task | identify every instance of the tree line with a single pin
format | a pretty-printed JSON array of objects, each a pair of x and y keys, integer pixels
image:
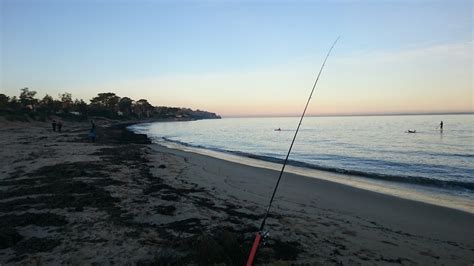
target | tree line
[{"x": 108, "y": 105}]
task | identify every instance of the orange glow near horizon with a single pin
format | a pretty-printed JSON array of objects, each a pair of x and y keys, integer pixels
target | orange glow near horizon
[
  {"x": 427, "y": 80},
  {"x": 240, "y": 58}
]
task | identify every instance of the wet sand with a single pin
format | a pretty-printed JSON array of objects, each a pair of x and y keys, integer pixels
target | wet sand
[{"x": 64, "y": 200}]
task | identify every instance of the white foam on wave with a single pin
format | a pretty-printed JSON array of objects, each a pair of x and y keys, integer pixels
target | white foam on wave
[{"x": 436, "y": 196}]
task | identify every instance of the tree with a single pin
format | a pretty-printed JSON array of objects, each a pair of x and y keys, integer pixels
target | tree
[
  {"x": 107, "y": 100},
  {"x": 66, "y": 101},
  {"x": 49, "y": 105},
  {"x": 47, "y": 101},
  {"x": 4, "y": 100},
  {"x": 14, "y": 103},
  {"x": 143, "y": 108},
  {"x": 80, "y": 106},
  {"x": 125, "y": 105},
  {"x": 27, "y": 97}
]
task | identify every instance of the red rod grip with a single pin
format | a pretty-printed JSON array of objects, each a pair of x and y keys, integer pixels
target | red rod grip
[{"x": 253, "y": 251}]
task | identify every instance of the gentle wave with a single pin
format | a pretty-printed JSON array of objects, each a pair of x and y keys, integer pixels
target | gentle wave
[
  {"x": 447, "y": 184},
  {"x": 460, "y": 155}
]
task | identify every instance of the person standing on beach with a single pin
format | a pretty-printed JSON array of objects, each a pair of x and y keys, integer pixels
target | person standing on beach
[
  {"x": 60, "y": 125},
  {"x": 54, "y": 125},
  {"x": 92, "y": 132},
  {"x": 441, "y": 125}
]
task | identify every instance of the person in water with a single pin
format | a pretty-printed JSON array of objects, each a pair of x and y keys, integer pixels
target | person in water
[
  {"x": 60, "y": 125},
  {"x": 54, "y": 125},
  {"x": 441, "y": 125}
]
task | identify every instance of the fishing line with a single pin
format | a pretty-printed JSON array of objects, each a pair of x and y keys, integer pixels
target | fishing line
[{"x": 261, "y": 233}]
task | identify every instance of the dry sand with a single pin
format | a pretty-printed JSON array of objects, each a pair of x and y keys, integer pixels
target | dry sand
[{"x": 64, "y": 200}]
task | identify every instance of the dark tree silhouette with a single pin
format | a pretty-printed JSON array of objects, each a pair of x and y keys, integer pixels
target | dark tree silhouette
[
  {"x": 48, "y": 105},
  {"x": 66, "y": 101},
  {"x": 81, "y": 107},
  {"x": 4, "y": 100},
  {"x": 27, "y": 98},
  {"x": 27, "y": 107},
  {"x": 108, "y": 100},
  {"x": 125, "y": 105},
  {"x": 143, "y": 108}
]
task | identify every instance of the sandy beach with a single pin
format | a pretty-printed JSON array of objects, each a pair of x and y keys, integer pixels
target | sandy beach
[{"x": 123, "y": 200}]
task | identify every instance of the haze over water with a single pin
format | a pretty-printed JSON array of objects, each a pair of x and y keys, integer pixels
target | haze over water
[{"x": 371, "y": 146}]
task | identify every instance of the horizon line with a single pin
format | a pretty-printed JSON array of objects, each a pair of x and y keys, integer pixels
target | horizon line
[{"x": 358, "y": 114}]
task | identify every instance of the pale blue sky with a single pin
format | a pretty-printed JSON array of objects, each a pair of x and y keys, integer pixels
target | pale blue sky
[{"x": 244, "y": 57}]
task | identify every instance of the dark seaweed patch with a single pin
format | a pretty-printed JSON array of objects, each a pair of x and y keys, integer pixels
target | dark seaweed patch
[
  {"x": 35, "y": 244},
  {"x": 123, "y": 154},
  {"x": 166, "y": 210},
  {"x": 77, "y": 195},
  {"x": 286, "y": 250},
  {"x": 191, "y": 226},
  {"x": 157, "y": 188},
  {"x": 9, "y": 237},
  {"x": 119, "y": 134},
  {"x": 170, "y": 197},
  {"x": 39, "y": 219},
  {"x": 70, "y": 170}
]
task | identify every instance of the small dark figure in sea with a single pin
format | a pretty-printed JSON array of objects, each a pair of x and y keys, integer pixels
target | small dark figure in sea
[
  {"x": 441, "y": 125},
  {"x": 54, "y": 125},
  {"x": 60, "y": 125},
  {"x": 92, "y": 131}
]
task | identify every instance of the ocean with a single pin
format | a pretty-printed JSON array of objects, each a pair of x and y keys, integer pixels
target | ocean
[{"x": 370, "y": 147}]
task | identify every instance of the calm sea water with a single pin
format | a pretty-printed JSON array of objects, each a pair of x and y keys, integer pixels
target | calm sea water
[{"x": 377, "y": 147}]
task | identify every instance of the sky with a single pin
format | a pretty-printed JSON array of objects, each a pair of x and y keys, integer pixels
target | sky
[{"x": 245, "y": 58}]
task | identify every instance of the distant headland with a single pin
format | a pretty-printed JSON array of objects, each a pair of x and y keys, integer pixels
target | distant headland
[{"x": 108, "y": 105}]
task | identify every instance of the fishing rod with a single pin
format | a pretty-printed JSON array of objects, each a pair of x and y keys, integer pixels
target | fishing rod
[{"x": 261, "y": 234}]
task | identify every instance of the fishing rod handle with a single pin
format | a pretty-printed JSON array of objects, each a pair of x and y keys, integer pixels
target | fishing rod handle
[{"x": 253, "y": 251}]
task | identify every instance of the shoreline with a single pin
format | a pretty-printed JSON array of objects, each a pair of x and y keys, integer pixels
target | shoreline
[
  {"x": 65, "y": 200},
  {"x": 312, "y": 198},
  {"x": 435, "y": 195},
  {"x": 294, "y": 174}
]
